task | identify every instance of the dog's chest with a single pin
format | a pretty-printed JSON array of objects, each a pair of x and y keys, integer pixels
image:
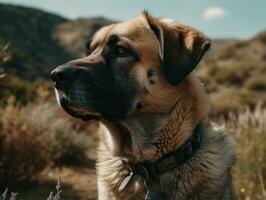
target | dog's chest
[{"x": 203, "y": 177}]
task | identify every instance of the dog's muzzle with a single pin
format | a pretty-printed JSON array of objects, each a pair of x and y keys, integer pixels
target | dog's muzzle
[
  {"x": 89, "y": 88},
  {"x": 70, "y": 93}
]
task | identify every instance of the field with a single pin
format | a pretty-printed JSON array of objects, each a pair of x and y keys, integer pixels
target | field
[{"x": 43, "y": 150}]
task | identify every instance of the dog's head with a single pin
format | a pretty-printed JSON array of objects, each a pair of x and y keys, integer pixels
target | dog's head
[{"x": 131, "y": 67}]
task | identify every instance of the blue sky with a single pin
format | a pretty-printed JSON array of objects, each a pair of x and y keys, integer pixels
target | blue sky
[{"x": 216, "y": 18}]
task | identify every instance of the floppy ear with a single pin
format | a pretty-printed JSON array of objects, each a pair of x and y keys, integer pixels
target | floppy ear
[{"x": 181, "y": 48}]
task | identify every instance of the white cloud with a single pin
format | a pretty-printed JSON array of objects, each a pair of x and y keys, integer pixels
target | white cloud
[{"x": 212, "y": 13}]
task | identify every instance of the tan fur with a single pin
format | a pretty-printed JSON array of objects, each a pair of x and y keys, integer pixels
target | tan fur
[{"x": 169, "y": 115}]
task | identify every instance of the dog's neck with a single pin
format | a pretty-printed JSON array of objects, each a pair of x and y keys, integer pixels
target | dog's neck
[
  {"x": 146, "y": 137},
  {"x": 160, "y": 134}
]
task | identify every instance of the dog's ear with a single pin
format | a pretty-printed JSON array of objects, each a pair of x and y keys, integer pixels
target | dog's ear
[{"x": 181, "y": 47}]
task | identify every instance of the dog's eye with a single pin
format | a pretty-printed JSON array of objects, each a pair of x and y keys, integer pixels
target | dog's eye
[
  {"x": 117, "y": 52},
  {"x": 121, "y": 51}
]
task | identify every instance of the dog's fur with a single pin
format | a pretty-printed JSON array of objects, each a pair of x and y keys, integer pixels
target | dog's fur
[{"x": 163, "y": 102}]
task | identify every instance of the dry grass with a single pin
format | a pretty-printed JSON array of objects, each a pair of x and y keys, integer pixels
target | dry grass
[
  {"x": 26, "y": 148},
  {"x": 257, "y": 83},
  {"x": 33, "y": 137},
  {"x": 248, "y": 131},
  {"x": 7, "y": 196},
  {"x": 227, "y": 100},
  {"x": 57, "y": 195},
  {"x": 233, "y": 80},
  {"x": 13, "y": 196}
]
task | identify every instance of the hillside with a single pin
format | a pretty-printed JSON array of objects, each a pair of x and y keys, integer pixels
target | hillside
[
  {"x": 29, "y": 32},
  {"x": 235, "y": 73},
  {"x": 40, "y": 40},
  {"x": 73, "y": 35}
]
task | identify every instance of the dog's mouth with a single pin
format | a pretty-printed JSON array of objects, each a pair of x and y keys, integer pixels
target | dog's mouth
[
  {"x": 79, "y": 103},
  {"x": 74, "y": 109}
]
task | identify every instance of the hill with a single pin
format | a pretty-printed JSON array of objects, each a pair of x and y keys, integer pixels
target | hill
[
  {"x": 235, "y": 72},
  {"x": 29, "y": 32},
  {"x": 73, "y": 35},
  {"x": 39, "y": 40}
]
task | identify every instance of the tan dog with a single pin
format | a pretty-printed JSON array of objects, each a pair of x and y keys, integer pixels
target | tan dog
[{"x": 155, "y": 142}]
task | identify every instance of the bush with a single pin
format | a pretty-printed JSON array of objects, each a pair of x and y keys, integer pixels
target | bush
[
  {"x": 230, "y": 73},
  {"x": 70, "y": 148},
  {"x": 227, "y": 100},
  {"x": 262, "y": 37},
  {"x": 256, "y": 83},
  {"x": 25, "y": 147},
  {"x": 34, "y": 137},
  {"x": 248, "y": 130},
  {"x": 22, "y": 90}
]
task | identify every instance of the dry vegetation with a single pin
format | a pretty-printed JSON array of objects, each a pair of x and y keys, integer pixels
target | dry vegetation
[
  {"x": 234, "y": 73},
  {"x": 248, "y": 132},
  {"x": 36, "y": 136}
]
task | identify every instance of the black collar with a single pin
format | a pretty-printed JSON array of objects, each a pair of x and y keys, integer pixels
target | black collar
[{"x": 171, "y": 160}]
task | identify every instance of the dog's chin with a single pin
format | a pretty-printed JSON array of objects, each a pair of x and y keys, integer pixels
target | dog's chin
[
  {"x": 78, "y": 110},
  {"x": 74, "y": 109}
]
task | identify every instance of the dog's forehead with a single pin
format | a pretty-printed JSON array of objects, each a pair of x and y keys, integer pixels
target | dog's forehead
[
  {"x": 101, "y": 35},
  {"x": 132, "y": 29}
]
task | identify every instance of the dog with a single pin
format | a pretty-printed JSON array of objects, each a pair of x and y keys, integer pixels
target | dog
[{"x": 138, "y": 81}]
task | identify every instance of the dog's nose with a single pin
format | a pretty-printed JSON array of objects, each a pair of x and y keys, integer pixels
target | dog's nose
[{"x": 63, "y": 73}]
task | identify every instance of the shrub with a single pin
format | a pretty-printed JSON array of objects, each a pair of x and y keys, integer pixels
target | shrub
[
  {"x": 231, "y": 73},
  {"x": 248, "y": 131},
  {"x": 25, "y": 147},
  {"x": 228, "y": 74},
  {"x": 70, "y": 147},
  {"x": 33, "y": 137},
  {"x": 22, "y": 90},
  {"x": 11, "y": 85},
  {"x": 227, "y": 100},
  {"x": 262, "y": 37},
  {"x": 256, "y": 83}
]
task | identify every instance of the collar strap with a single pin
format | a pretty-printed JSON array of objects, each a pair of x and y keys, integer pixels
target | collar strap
[{"x": 171, "y": 160}]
